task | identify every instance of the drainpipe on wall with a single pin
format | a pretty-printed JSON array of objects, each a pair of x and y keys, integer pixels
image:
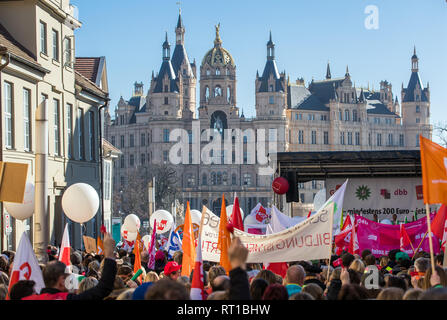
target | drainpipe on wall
[
  {"x": 3, "y": 55},
  {"x": 101, "y": 165}
]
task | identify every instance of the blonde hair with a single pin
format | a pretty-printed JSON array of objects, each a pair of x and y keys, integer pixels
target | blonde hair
[
  {"x": 151, "y": 276},
  {"x": 126, "y": 295},
  {"x": 357, "y": 265},
  {"x": 87, "y": 283}
]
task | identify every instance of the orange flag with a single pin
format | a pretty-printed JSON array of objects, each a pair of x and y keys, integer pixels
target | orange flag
[
  {"x": 434, "y": 171},
  {"x": 224, "y": 239},
  {"x": 137, "y": 263},
  {"x": 188, "y": 244},
  {"x": 99, "y": 246}
]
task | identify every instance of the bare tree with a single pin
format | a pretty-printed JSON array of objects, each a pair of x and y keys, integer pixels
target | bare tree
[
  {"x": 441, "y": 132},
  {"x": 133, "y": 197}
]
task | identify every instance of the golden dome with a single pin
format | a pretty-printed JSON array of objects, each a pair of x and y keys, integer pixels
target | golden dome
[{"x": 218, "y": 56}]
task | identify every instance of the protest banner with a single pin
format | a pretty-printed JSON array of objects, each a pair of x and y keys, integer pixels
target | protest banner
[
  {"x": 308, "y": 240},
  {"x": 381, "y": 238},
  {"x": 89, "y": 244}
]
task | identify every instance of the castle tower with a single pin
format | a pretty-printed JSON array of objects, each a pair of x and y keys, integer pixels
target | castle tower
[
  {"x": 218, "y": 82},
  {"x": 415, "y": 100},
  {"x": 271, "y": 87}
]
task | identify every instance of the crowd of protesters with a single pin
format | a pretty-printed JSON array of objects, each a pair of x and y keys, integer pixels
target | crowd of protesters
[{"x": 395, "y": 276}]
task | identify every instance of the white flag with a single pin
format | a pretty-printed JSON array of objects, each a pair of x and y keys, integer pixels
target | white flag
[
  {"x": 26, "y": 266},
  {"x": 337, "y": 199}
]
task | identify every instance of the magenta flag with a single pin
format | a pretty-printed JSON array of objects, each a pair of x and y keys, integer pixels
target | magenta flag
[
  {"x": 381, "y": 238},
  {"x": 151, "y": 262}
]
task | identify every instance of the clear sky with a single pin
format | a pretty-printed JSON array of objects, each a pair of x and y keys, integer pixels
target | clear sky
[{"x": 307, "y": 35}]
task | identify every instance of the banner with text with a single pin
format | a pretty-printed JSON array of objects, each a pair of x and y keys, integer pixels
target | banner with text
[
  {"x": 381, "y": 196},
  {"x": 381, "y": 238},
  {"x": 308, "y": 240}
]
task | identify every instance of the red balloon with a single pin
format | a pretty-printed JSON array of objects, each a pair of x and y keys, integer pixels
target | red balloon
[{"x": 280, "y": 185}]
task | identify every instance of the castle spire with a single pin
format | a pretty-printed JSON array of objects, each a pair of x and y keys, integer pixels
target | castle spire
[
  {"x": 166, "y": 48},
  {"x": 328, "y": 71},
  {"x": 414, "y": 61},
  {"x": 180, "y": 29},
  {"x": 217, "y": 41},
  {"x": 270, "y": 48}
]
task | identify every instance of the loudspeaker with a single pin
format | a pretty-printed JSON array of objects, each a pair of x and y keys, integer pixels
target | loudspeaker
[{"x": 292, "y": 193}]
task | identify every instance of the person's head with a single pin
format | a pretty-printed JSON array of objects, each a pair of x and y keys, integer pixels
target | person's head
[
  {"x": 54, "y": 275},
  {"x": 314, "y": 290},
  {"x": 434, "y": 294},
  {"x": 391, "y": 293},
  {"x": 178, "y": 257},
  {"x": 347, "y": 259},
  {"x": 442, "y": 277},
  {"x": 144, "y": 257},
  {"x": 267, "y": 275},
  {"x": 392, "y": 254},
  {"x": 396, "y": 282},
  {"x": 122, "y": 253},
  {"x": 118, "y": 283},
  {"x": 218, "y": 295},
  {"x": 221, "y": 283},
  {"x": 167, "y": 289},
  {"x": 439, "y": 259},
  {"x": 383, "y": 261},
  {"x": 422, "y": 264},
  {"x": 86, "y": 284},
  {"x": 3, "y": 291},
  {"x": 355, "y": 277},
  {"x": 151, "y": 276},
  {"x": 357, "y": 265},
  {"x": 172, "y": 270},
  {"x": 22, "y": 289},
  {"x": 4, "y": 279},
  {"x": 4, "y": 263},
  {"x": 214, "y": 272},
  {"x": 257, "y": 288},
  {"x": 365, "y": 253},
  {"x": 126, "y": 294},
  {"x": 413, "y": 294},
  {"x": 301, "y": 296},
  {"x": 275, "y": 292},
  {"x": 403, "y": 259},
  {"x": 335, "y": 275},
  {"x": 370, "y": 260},
  {"x": 75, "y": 258},
  {"x": 125, "y": 272},
  {"x": 94, "y": 265},
  {"x": 295, "y": 274},
  {"x": 352, "y": 292}
]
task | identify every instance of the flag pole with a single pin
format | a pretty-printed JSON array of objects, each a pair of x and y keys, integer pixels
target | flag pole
[
  {"x": 432, "y": 258},
  {"x": 330, "y": 241}
]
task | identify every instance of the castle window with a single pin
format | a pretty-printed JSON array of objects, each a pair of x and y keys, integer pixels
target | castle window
[
  {"x": 233, "y": 179},
  {"x": 401, "y": 140},
  {"x": 272, "y": 112},
  {"x": 270, "y": 88},
  {"x": 166, "y": 88},
  {"x": 271, "y": 99},
  {"x": 217, "y": 91},
  {"x": 379, "y": 139},
  {"x": 166, "y": 113},
  {"x": 228, "y": 94},
  {"x": 326, "y": 137},
  {"x": 314, "y": 137},
  {"x": 208, "y": 72},
  {"x": 204, "y": 179},
  {"x": 350, "y": 138},
  {"x": 213, "y": 178},
  {"x": 354, "y": 116},
  {"x": 166, "y": 100},
  {"x": 418, "y": 120},
  {"x": 418, "y": 109},
  {"x": 417, "y": 140},
  {"x": 217, "y": 72},
  {"x": 247, "y": 179},
  {"x": 357, "y": 138},
  {"x": 207, "y": 93},
  {"x": 184, "y": 72},
  {"x": 346, "y": 115},
  {"x": 227, "y": 71},
  {"x": 165, "y": 135}
]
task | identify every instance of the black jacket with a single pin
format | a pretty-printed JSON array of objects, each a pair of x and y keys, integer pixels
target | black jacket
[
  {"x": 100, "y": 291},
  {"x": 239, "y": 285}
]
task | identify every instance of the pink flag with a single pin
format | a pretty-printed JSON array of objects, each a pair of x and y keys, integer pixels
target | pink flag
[
  {"x": 26, "y": 266},
  {"x": 151, "y": 263},
  {"x": 197, "y": 284},
  {"x": 65, "y": 252}
]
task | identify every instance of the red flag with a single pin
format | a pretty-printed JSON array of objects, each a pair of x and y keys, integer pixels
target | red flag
[
  {"x": 65, "y": 252},
  {"x": 437, "y": 225},
  {"x": 26, "y": 266},
  {"x": 404, "y": 238},
  {"x": 347, "y": 223},
  {"x": 279, "y": 268},
  {"x": 197, "y": 285},
  {"x": 236, "y": 217}
]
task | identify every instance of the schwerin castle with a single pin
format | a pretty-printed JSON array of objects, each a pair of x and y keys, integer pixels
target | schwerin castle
[{"x": 330, "y": 114}]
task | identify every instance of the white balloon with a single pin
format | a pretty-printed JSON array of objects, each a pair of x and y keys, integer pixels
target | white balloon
[
  {"x": 196, "y": 216},
  {"x": 80, "y": 202},
  {"x": 132, "y": 222},
  {"x": 146, "y": 240},
  {"x": 24, "y": 210},
  {"x": 386, "y": 221},
  {"x": 164, "y": 221},
  {"x": 128, "y": 235},
  {"x": 230, "y": 211}
]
